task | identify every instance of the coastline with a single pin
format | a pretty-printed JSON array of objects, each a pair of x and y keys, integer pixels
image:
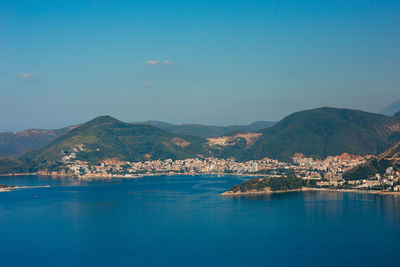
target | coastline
[
  {"x": 17, "y": 174},
  {"x": 8, "y": 189},
  {"x": 131, "y": 175},
  {"x": 305, "y": 189},
  {"x": 226, "y": 193}
]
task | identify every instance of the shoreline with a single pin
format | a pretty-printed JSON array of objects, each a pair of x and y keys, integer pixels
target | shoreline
[
  {"x": 134, "y": 176},
  {"x": 307, "y": 189},
  {"x": 17, "y": 174},
  {"x": 226, "y": 193},
  {"x": 9, "y": 189}
]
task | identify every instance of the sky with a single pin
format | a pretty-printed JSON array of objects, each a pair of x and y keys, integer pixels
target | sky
[{"x": 210, "y": 62}]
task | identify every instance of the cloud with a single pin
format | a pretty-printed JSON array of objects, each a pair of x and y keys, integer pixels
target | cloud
[
  {"x": 158, "y": 62},
  {"x": 26, "y": 75},
  {"x": 152, "y": 62},
  {"x": 144, "y": 84}
]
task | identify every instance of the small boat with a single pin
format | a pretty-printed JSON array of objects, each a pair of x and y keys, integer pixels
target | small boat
[{"x": 35, "y": 197}]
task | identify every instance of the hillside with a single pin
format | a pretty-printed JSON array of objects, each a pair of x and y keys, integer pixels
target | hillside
[
  {"x": 379, "y": 164},
  {"x": 327, "y": 131},
  {"x": 319, "y": 132},
  {"x": 207, "y": 131},
  {"x": 17, "y": 143},
  {"x": 105, "y": 137}
]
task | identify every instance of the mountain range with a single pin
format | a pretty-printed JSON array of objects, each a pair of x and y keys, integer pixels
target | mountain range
[
  {"x": 106, "y": 137},
  {"x": 17, "y": 143},
  {"x": 318, "y": 132},
  {"x": 14, "y": 144}
]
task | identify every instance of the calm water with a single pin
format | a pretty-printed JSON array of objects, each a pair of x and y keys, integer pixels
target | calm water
[{"x": 182, "y": 221}]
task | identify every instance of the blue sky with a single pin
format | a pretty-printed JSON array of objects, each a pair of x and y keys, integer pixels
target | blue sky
[{"x": 213, "y": 62}]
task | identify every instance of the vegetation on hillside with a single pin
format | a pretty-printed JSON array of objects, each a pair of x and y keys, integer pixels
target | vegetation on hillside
[
  {"x": 376, "y": 165},
  {"x": 16, "y": 143},
  {"x": 207, "y": 131},
  {"x": 274, "y": 184},
  {"x": 105, "y": 137},
  {"x": 318, "y": 132},
  {"x": 327, "y": 131},
  {"x": 12, "y": 165}
]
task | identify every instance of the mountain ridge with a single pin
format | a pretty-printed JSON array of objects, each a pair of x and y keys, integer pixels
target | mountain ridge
[
  {"x": 320, "y": 132},
  {"x": 17, "y": 143},
  {"x": 106, "y": 137},
  {"x": 317, "y": 132},
  {"x": 327, "y": 131},
  {"x": 208, "y": 131}
]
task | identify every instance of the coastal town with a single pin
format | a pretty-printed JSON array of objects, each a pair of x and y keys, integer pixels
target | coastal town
[{"x": 322, "y": 173}]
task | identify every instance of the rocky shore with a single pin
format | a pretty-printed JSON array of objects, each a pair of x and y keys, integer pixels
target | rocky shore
[{"x": 269, "y": 191}]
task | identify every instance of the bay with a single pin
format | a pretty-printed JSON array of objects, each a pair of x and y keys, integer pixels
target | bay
[{"x": 183, "y": 221}]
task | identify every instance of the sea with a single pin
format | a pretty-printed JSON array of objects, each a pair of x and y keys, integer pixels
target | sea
[{"x": 183, "y": 221}]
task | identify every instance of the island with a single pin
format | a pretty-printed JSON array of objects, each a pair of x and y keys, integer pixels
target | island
[{"x": 267, "y": 185}]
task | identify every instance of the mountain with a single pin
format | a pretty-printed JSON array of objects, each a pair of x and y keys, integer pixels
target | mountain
[
  {"x": 391, "y": 109},
  {"x": 105, "y": 137},
  {"x": 13, "y": 144},
  {"x": 17, "y": 143},
  {"x": 379, "y": 164},
  {"x": 397, "y": 115},
  {"x": 319, "y": 132},
  {"x": 207, "y": 131},
  {"x": 327, "y": 131}
]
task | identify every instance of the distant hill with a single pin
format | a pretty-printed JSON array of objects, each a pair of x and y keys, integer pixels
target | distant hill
[
  {"x": 376, "y": 165},
  {"x": 17, "y": 143},
  {"x": 207, "y": 131},
  {"x": 105, "y": 137},
  {"x": 391, "y": 109},
  {"x": 319, "y": 132},
  {"x": 397, "y": 115},
  {"x": 13, "y": 144},
  {"x": 327, "y": 131}
]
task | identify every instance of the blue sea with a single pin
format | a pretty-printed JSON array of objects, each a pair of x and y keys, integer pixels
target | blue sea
[{"x": 183, "y": 221}]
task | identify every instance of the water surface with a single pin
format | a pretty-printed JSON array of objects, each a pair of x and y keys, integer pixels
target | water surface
[{"x": 182, "y": 221}]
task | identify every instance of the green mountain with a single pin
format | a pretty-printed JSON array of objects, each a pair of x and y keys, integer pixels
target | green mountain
[
  {"x": 17, "y": 143},
  {"x": 327, "y": 131},
  {"x": 321, "y": 132},
  {"x": 379, "y": 164},
  {"x": 207, "y": 131},
  {"x": 105, "y": 137}
]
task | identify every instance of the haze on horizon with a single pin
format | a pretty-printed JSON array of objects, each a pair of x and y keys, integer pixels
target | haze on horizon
[{"x": 210, "y": 62}]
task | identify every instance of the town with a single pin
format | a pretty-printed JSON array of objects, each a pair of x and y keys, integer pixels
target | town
[{"x": 326, "y": 172}]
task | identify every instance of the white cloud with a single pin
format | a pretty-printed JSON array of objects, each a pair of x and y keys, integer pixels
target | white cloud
[
  {"x": 158, "y": 62},
  {"x": 144, "y": 84},
  {"x": 152, "y": 62},
  {"x": 27, "y": 75}
]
